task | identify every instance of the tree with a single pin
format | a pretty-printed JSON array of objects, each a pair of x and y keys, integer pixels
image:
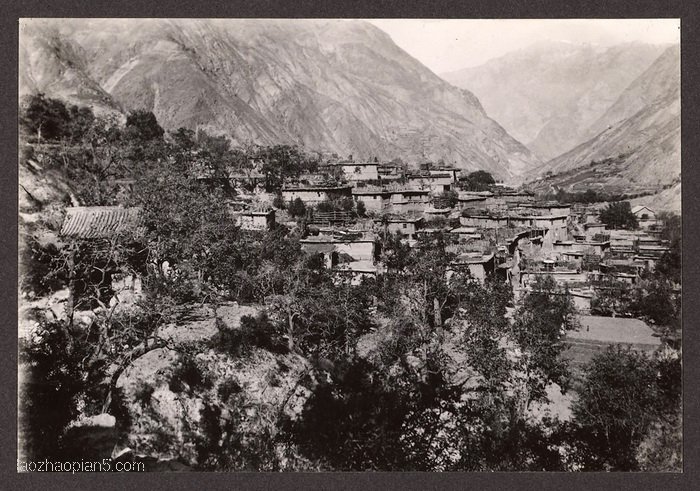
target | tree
[
  {"x": 278, "y": 202},
  {"x": 450, "y": 198},
  {"x": 619, "y": 215},
  {"x": 653, "y": 299},
  {"x": 143, "y": 125},
  {"x": 619, "y": 401},
  {"x": 297, "y": 208},
  {"x": 612, "y": 297},
  {"x": 395, "y": 252},
  {"x": 478, "y": 181},
  {"x": 46, "y": 117},
  {"x": 282, "y": 162},
  {"x": 361, "y": 209},
  {"x": 81, "y": 121},
  {"x": 539, "y": 327}
]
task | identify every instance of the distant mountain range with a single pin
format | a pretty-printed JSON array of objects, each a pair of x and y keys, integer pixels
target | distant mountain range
[
  {"x": 338, "y": 86},
  {"x": 641, "y": 132},
  {"x": 609, "y": 118},
  {"x": 550, "y": 95}
]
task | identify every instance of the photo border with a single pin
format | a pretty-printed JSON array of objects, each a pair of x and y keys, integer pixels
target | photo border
[{"x": 688, "y": 14}]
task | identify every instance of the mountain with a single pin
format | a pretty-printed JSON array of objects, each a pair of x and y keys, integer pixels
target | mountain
[
  {"x": 661, "y": 78},
  {"x": 547, "y": 95},
  {"x": 640, "y": 153},
  {"x": 329, "y": 85}
]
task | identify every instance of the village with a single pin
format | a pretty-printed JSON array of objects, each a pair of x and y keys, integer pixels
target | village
[{"x": 346, "y": 210}]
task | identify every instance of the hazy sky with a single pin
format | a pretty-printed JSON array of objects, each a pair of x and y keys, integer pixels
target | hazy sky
[{"x": 451, "y": 44}]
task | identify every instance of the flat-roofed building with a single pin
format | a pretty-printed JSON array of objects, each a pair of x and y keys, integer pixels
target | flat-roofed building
[
  {"x": 436, "y": 182},
  {"x": 484, "y": 221},
  {"x": 358, "y": 171},
  {"x": 315, "y": 194},
  {"x": 479, "y": 264},
  {"x": 471, "y": 200},
  {"x": 407, "y": 226},
  {"x": 362, "y": 248},
  {"x": 408, "y": 200},
  {"x": 256, "y": 220},
  {"x": 375, "y": 198},
  {"x": 594, "y": 229},
  {"x": 550, "y": 209},
  {"x": 466, "y": 233}
]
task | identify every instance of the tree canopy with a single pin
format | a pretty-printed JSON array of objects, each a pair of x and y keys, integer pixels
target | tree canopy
[
  {"x": 619, "y": 215},
  {"x": 479, "y": 180}
]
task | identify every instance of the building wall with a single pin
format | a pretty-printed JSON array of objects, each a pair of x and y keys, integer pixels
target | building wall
[
  {"x": 254, "y": 222},
  {"x": 435, "y": 184},
  {"x": 478, "y": 271},
  {"x": 478, "y": 204},
  {"x": 373, "y": 202},
  {"x": 360, "y": 251},
  {"x": 562, "y": 278},
  {"x": 354, "y": 172},
  {"x": 404, "y": 228},
  {"x": 312, "y": 196},
  {"x": 400, "y": 203},
  {"x": 484, "y": 222},
  {"x": 648, "y": 223}
]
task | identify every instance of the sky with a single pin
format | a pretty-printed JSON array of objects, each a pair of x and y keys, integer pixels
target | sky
[{"x": 445, "y": 45}]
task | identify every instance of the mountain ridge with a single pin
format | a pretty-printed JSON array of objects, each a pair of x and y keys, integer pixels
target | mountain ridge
[
  {"x": 638, "y": 154},
  {"x": 340, "y": 86},
  {"x": 548, "y": 94}
]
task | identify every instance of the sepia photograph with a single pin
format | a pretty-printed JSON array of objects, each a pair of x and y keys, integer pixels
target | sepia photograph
[{"x": 330, "y": 245}]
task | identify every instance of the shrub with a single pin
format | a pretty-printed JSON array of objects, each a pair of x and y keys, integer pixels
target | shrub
[
  {"x": 143, "y": 394},
  {"x": 278, "y": 202},
  {"x": 253, "y": 332},
  {"x": 325, "y": 206},
  {"x": 188, "y": 376},
  {"x": 228, "y": 388},
  {"x": 297, "y": 208}
]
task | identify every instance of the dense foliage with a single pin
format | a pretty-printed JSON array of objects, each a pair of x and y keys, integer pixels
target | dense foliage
[
  {"x": 619, "y": 215},
  {"x": 479, "y": 180},
  {"x": 624, "y": 394}
]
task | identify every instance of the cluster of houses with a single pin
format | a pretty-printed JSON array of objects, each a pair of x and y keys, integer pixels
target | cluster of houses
[{"x": 502, "y": 232}]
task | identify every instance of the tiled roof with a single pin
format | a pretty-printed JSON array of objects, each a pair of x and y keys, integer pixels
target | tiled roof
[{"x": 99, "y": 222}]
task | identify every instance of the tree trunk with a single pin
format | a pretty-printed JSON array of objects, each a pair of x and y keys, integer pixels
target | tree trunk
[
  {"x": 137, "y": 352},
  {"x": 70, "y": 302},
  {"x": 437, "y": 314},
  {"x": 290, "y": 332}
]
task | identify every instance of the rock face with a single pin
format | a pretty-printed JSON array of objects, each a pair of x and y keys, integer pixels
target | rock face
[
  {"x": 328, "y": 85},
  {"x": 646, "y": 139},
  {"x": 549, "y": 94}
]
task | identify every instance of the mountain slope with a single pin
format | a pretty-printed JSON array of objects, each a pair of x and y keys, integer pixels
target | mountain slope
[
  {"x": 548, "y": 94},
  {"x": 641, "y": 152},
  {"x": 340, "y": 86},
  {"x": 661, "y": 78}
]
